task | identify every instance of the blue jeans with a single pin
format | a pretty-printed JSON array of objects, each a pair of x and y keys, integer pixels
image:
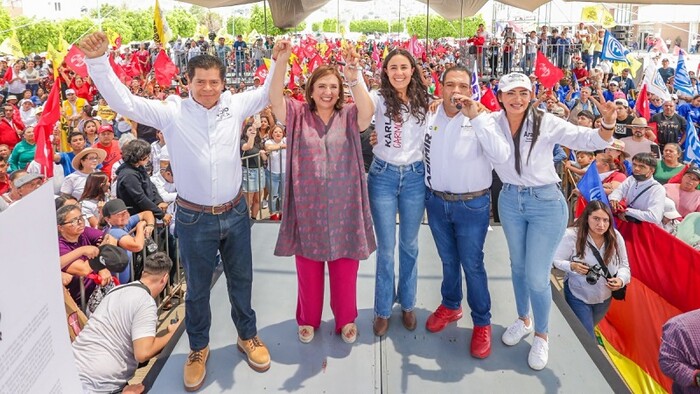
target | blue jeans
[
  {"x": 586, "y": 57},
  {"x": 276, "y": 191},
  {"x": 534, "y": 220},
  {"x": 459, "y": 230},
  {"x": 395, "y": 189},
  {"x": 589, "y": 314},
  {"x": 240, "y": 67},
  {"x": 596, "y": 58},
  {"x": 201, "y": 235}
]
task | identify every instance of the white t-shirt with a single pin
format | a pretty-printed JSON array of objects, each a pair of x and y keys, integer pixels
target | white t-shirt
[
  {"x": 398, "y": 143},
  {"x": 458, "y": 153},
  {"x": 277, "y": 160},
  {"x": 89, "y": 209},
  {"x": 104, "y": 350},
  {"x": 74, "y": 184}
]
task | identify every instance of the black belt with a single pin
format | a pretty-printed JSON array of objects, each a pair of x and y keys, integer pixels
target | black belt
[
  {"x": 461, "y": 196},
  {"x": 214, "y": 210}
]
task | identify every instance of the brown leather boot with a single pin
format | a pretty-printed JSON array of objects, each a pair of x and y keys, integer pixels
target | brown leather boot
[
  {"x": 409, "y": 320},
  {"x": 256, "y": 352},
  {"x": 195, "y": 369},
  {"x": 381, "y": 325}
]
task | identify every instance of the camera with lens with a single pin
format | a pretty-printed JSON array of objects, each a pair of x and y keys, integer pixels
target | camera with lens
[
  {"x": 594, "y": 273},
  {"x": 212, "y": 36}
]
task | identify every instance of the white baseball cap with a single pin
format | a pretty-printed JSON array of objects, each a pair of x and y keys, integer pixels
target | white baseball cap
[{"x": 511, "y": 81}]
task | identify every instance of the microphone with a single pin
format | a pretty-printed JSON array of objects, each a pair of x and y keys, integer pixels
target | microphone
[{"x": 457, "y": 104}]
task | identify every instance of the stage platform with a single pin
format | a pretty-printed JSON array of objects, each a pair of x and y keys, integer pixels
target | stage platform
[{"x": 403, "y": 361}]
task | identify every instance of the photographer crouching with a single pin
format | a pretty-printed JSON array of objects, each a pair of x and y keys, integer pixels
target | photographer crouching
[{"x": 593, "y": 255}]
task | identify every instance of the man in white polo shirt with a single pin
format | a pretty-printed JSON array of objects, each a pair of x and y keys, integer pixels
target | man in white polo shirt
[
  {"x": 203, "y": 134},
  {"x": 458, "y": 155}
]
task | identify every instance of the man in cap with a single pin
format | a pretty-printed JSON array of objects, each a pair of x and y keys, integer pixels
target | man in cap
[
  {"x": 624, "y": 118},
  {"x": 240, "y": 47},
  {"x": 609, "y": 93},
  {"x": 639, "y": 142},
  {"x": 120, "y": 225},
  {"x": 28, "y": 113},
  {"x": 665, "y": 71},
  {"x": 644, "y": 196},
  {"x": 625, "y": 81},
  {"x": 223, "y": 51},
  {"x": 72, "y": 107},
  {"x": 27, "y": 183},
  {"x": 106, "y": 142},
  {"x": 121, "y": 333}
]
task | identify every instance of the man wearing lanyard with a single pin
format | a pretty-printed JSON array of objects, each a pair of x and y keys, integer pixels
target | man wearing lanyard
[
  {"x": 203, "y": 134},
  {"x": 458, "y": 156}
]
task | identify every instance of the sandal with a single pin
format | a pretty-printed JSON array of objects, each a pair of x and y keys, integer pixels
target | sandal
[
  {"x": 349, "y": 333},
  {"x": 306, "y": 334}
]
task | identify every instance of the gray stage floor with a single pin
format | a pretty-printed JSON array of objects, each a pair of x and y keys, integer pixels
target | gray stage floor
[{"x": 403, "y": 362}]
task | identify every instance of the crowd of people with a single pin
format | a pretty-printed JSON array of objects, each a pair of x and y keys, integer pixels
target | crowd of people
[{"x": 336, "y": 154}]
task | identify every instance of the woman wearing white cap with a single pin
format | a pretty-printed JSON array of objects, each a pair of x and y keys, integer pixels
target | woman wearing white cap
[{"x": 532, "y": 209}]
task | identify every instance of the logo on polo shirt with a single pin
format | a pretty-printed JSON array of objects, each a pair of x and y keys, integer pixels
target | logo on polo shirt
[{"x": 224, "y": 113}]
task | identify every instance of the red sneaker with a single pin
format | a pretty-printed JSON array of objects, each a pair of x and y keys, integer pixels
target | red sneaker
[
  {"x": 442, "y": 316},
  {"x": 481, "y": 341}
]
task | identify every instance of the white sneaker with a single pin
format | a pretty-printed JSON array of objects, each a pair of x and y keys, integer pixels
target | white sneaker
[
  {"x": 516, "y": 332},
  {"x": 539, "y": 354},
  {"x": 264, "y": 204}
]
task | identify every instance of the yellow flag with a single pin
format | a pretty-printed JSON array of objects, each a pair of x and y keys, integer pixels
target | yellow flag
[
  {"x": 606, "y": 18},
  {"x": 386, "y": 51},
  {"x": 112, "y": 36},
  {"x": 161, "y": 31},
  {"x": 590, "y": 14},
  {"x": 55, "y": 58},
  {"x": 617, "y": 67},
  {"x": 267, "y": 62},
  {"x": 634, "y": 65},
  {"x": 11, "y": 46}
]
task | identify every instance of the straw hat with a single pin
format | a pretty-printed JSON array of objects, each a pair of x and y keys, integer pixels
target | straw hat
[{"x": 76, "y": 160}]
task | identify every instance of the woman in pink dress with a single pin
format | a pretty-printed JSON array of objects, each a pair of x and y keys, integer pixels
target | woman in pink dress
[{"x": 327, "y": 216}]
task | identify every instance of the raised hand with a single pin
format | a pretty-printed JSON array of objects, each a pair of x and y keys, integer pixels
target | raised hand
[
  {"x": 608, "y": 112},
  {"x": 470, "y": 108},
  {"x": 352, "y": 61},
  {"x": 94, "y": 45},
  {"x": 283, "y": 47}
]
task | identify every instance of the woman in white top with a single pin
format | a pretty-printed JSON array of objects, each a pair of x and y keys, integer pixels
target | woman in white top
[
  {"x": 531, "y": 206},
  {"x": 396, "y": 185},
  {"x": 587, "y": 287}
]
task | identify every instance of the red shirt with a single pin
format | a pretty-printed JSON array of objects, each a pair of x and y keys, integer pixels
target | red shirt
[
  {"x": 581, "y": 73},
  {"x": 8, "y": 132},
  {"x": 4, "y": 186},
  {"x": 84, "y": 91},
  {"x": 114, "y": 154}
]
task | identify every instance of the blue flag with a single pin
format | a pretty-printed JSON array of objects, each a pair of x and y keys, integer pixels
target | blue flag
[
  {"x": 613, "y": 49},
  {"x": 591, "y": 187},
  {"x": 476, "y": 90},
  {"x": 691, "y": 150},
  {"x": 681, "y": 81},
  {"x": 577, "y": 89}
]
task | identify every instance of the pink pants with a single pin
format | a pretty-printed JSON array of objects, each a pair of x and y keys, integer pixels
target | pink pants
[{"x": 310, "y": 278}]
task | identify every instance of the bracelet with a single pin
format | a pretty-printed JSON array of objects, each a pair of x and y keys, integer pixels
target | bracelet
[
  {"x": 607, "y": 126},
  {"x": 150, "y": 225},
  {"x": 354, "y": 83}
]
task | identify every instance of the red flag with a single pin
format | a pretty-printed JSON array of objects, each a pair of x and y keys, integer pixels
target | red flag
[
  {"x": 44, "y": 129},
  {"x": 299, "y": 52},
  {"x": 133, "y": 69},
  {"x": 309, "y": 49},
  {"x": 261, "y": 72},
  {"x": 118, "y": 42},
  {"x": 296, "y": 68},
  {"x": 121, "y": 74},
  {"x": 642, "y": 103},
  {"x": 677, "y": 178},
  {"x": 655, "y": 129},
  {"x": 164, "y": 68},
  {"x": 546, "y": 72},
  {"x": 8, "y": 75},
  {"x": 75, "y": 59},
  {"x": 436, "y": 81},
  {"x": 489, "y": 100},
  {"x": 375, "y": 54},
  {"x": 293, "y": 75},
  {"x": 315, "y": 63}
]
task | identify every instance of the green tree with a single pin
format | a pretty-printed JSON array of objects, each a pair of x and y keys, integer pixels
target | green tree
[
  {"x": 329, "y": 25},
  {"x": 75, "y": 28},
  {"x": 316, "y": 26},
  {"x": 396, "y": 26},
  {"x": 107, "y": 11},
  {"x": 236, "y": 25},
  {"x": 5, "y": 24},
  {"x": 369, "y": 26},
  {"x": 439, "y": 27},
  {"x": 140, "y": 22},
  {"x": 181, "y": 22},
  {"x": 257, "y": 22},
  {"x": 118, "y": 26},
  {"x": 198, "y": 12},
  {"x": 36, "y": 36}
]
